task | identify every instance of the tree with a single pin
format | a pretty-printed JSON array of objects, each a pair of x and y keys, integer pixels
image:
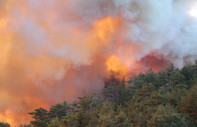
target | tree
[
  {"x": 161, "y": 79},
  {"x": 24, "y": 125},
  {"x": 158, "y": 97},
  {"x": 195, "y": 71},
  {"x": 70, "y": 120},
  {"x": 41, "y": 118},
  {"x": 58, "y": 110},
  {"x": 188, "y": 104},
  {"x": 142, "y": 79},
  {"x": 110, "y": 92},
  {"x": 195, "y": 66},
  {"x": 171, "y": 70},
  {"x": 138, "y": 81},
  {"x": 140, "y": 107},
  {"x": 188, "y": 72},
  {"x": 106, "y": 115},
  {"x": 123, "y": 95},
  {"x": 166, "y": 116},
  {"x": 176, "y": 94},
  {"x": 2, "y": 124},
  {"x": 86, "y": 107},
  {"x": 54, "y": 123},
  {"x": 177, "y": 78},
  {"x": 121, "y": 119},
  {"x": 150, "y": 76}
]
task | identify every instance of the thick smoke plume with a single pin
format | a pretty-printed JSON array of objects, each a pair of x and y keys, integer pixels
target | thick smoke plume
[{"x": 55, "y": 50}]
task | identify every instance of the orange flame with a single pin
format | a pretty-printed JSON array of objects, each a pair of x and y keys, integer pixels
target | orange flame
[
  {"x": 115, "y": 65},
  {"x": 103, "y": 30}
]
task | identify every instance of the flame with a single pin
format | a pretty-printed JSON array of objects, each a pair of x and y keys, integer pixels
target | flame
[
  {"x": 7, "y": 117},
  {"x": 103, "y": 31},
  {"x": 116, "y": 65},
  {"x": 5, "y": 98},
  {"x": 105, "y": 28}
]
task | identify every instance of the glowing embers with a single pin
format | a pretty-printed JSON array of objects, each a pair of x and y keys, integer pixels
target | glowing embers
[
  {"x": 193, "y": 11},
  {"x": 116, "y": 65}
]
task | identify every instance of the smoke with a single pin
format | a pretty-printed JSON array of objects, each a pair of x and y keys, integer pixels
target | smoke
[{"x": 56, "y": 50}]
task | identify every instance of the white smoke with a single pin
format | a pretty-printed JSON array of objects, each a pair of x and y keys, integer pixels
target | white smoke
[
  {"x": 162, "y": 25},
  {"x": 151, "y": 25}
]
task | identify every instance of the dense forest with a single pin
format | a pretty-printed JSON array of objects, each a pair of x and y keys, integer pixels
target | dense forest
[{"x": 164, "y": 99}]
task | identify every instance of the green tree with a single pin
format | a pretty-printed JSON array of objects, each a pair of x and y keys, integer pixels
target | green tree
[
  {"x": 158, "y": 98},
  {"x": 2, "y": 124},
  {"x": 176, "y": 94},
  {"x": 166, "y": 116},
  {"x": 121, "y": 119},
  {"x": 110, "y": 92},
  {"x": 58, "y": 110},
  {"x": 70, "y": 120},
  {"x": 86, "y": 107},
  {"x": 171, "y": 70},
  {"x": 41, "y": 118},
  {"x": 188, "y": 72},
  {"x": 161, "y": 79},
  {"x": 148, "y": 78},
  {"x": 188, "y": 104},
  {"x": 25, "y": 125},
  {"x": 138, "y": 81},
  {"x": 54, "y": 123},
  {"x": 195, "y": 66},
  {"x": 177, "y": 78},
  {"x": 106, "y": 115},
  {"x": 140, "y": 107}
]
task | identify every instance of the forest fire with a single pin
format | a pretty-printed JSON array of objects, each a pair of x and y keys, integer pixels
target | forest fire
[{"x": 56, "y": 50}]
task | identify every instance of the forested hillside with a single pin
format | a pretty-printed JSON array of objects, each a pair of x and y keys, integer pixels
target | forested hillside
[{"x": 164, "y": 99}]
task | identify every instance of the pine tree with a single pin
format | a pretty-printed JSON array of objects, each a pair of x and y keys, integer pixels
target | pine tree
[
  {"x": 188, "y": 104},
  {"x": 58, "y": 110},
  {"x": 54, "y": 123},
  {"x": 106, "y": 116},
  {"x": 166, "y": 116},
  {"x": 2, "y": 124},
  {"x": 41, "y": 118},
  {"x": 171, "y": 70}
]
